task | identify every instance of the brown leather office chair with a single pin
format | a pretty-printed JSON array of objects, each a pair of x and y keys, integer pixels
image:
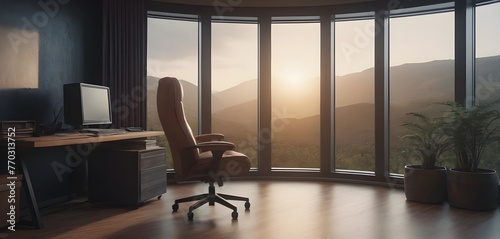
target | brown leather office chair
[{"x": 203, "y": 158}]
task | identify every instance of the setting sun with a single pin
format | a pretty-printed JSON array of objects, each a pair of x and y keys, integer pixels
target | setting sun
[{"x": 293, "y": 79}]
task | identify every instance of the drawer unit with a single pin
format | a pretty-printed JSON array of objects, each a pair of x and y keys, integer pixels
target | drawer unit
[{"x": 127, "y": 177}]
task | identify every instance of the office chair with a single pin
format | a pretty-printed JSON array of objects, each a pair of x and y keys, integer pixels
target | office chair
[{"x": 197, "y": 158}]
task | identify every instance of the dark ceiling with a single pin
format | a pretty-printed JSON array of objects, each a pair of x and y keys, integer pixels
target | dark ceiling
[{"x": 265, "y": 3}]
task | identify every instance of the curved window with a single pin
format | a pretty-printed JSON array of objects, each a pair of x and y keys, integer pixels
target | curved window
[
  {"x": 295, "y": 95},
  {"x": 172, "y": 51},
  {"x": 421, "y": 56},
  {"x": 421, "y": 73},
  {"x": 354, "y": 95}
]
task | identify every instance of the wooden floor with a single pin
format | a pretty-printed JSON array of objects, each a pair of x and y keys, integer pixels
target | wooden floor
[{"x": 280, "y": 209}]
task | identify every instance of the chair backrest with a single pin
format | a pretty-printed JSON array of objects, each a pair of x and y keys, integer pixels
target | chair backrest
[{"x": 176, "y": 128}]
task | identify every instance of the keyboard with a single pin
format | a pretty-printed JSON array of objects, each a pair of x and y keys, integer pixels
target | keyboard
[{"x": 101, "y": 132}]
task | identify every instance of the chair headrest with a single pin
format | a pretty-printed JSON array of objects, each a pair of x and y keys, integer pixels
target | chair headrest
[{"x": 171, "y": 86}]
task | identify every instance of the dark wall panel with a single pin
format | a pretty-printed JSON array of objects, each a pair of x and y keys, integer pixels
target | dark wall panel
[{"x": 69, "y": 44}]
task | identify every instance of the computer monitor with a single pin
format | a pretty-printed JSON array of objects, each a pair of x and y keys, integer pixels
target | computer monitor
[{"x": 86, "y": 104}]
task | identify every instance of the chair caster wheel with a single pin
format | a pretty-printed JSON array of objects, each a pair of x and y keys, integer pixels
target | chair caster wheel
[
  {"x": 247, "y": 205},
  {"x": 190, "y": 216},
  {"x": 175, "y": 207},
  {"x": 234, "y": 215}
]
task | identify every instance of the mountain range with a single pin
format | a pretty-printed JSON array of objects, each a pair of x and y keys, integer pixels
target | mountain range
[{"x": 413, "y": 87}]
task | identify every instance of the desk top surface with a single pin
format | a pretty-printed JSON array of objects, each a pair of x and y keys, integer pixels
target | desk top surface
[{"x": 80, "y": 138}]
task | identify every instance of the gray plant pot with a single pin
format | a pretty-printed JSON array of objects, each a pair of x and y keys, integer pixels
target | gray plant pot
[
  {"x": 425, "y": 186},
  {"x": 473, "y": 190}
]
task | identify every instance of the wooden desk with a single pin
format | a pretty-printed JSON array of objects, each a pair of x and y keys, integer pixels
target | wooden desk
[
  {"x": 78, "y": 138},
  {"x": 65, "y": 140}
]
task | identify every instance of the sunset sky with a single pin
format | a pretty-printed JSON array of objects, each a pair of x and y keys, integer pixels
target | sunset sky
[{"x": 173, "y": 46}]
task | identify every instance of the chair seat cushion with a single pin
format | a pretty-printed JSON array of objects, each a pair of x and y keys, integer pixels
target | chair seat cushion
[{"x": 232, "y": 164}]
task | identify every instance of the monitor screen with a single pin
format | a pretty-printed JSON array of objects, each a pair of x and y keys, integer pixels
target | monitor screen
[
  {"x": 95, "y": 106},
  {"x": 86, "y": 104}
]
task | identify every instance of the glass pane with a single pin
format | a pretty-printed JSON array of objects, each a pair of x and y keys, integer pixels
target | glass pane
[
  {"x": 421, "y": 73},
  {"x": 234, "y": 85},
  {"x": 172, "y": 51},
  {"x": 488, "y": 68},
  {"x": 295, "y": 86},
  {"x": 354, "y": 95}
]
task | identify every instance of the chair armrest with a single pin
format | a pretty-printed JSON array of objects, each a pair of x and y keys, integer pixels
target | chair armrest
[
  {"x": 217, "y": 148},
  {"x": 208, "y": 137}
]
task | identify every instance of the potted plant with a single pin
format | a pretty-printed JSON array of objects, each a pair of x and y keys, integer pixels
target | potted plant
[
  {"x": 427, "y": 140},
  {"x": 472, "y": 130}
]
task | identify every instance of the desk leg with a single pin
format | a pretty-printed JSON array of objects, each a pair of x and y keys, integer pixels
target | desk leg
[{"x": 35, "y": 212}]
